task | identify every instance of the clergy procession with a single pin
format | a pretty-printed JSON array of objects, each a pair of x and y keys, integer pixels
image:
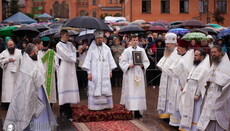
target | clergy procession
[{"x": 46, "y": 71}]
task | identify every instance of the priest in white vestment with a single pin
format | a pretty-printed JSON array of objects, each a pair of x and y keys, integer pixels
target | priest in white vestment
[
  {"x": 181, "y": 70},
  {"x": 191, "y": 99},
  {"x": 29, "y": 108},
  {"x": 170, "y": 56},
  {"x": 133, "y": 87},
  {"x": 218, "y": 78},
  {"x": 99, "y": 64},
  {"x": 10, "y": 60},
  {"x": 47, "y": 57},
  {"x": 68, "y": 92}
]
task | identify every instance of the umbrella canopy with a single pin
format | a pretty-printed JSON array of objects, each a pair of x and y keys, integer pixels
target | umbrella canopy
[
  {"x": 215, "y": 25},
  {"x": 71, "y": 33},
  {"x": 158, "y": 28},
  {"x": 192, "y": 23},
  {"x": 176, "y": 23},
  {"x": 7, "y": 30},
  {"x": 179, "y": 31},
  {"x": 19, "y": 18},
  {"x": 86, "y": 34},
  {"x": 131, "y": 29},
  {"x": 224, "y": 33},
  {"x": 199, "y": 30},
  {"x": 163, "y": 22},
  {"x": 121, "y": 23},
  {"x": 194, "y": 35},
  {"x": 87, "y": 22},
  {"x": 41, "y": 27},
  {"x": 49, "y": 32},
  {"x": 55, "y": 25},
  {"x": 25, "y": 30},
  {"x": 210, "y": 31},
  {"x": 45, "y": 15}
]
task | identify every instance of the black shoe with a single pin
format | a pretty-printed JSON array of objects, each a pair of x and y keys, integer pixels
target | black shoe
[
  {"x": 64, "y": 114},
  {"x": 137, "y": 114}
]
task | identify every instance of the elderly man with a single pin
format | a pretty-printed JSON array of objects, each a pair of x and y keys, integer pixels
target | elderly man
[
  {"x": 191, "y": 96},
  {"x": 219, "y": 76},
  {"x": 29, "y": 108},
  {"x": 181, "y": 69},
  {"x": 170, "y": 56},
  {"x": 99, "y": 64},
  {"x": 10, "y": 63},
  {"x": 67, "y": 84},
  {"x": 133, "y": 88}
]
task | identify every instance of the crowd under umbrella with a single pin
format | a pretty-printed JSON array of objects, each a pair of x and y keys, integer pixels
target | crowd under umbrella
[
  {"x": 179, "y": 31},
  {"x": 166, "y": 23},
  {"x": 159, "y": 29},
  {"x": 131, "y": 29},
  {"x": 55, "y": 25},
  {"x": 192, "y": 24},
  {"x": 49, "y": 32},
  {"x": 194, "y": 35},
  {"x": 26, "y": 31},
  {"x": 224, "y": 33},
  {"x": 87, "y": 22},
  {"x": 7, "y": 30},
  {"x": 41, "y": 27},
  {"x": 210, "y": 31}
]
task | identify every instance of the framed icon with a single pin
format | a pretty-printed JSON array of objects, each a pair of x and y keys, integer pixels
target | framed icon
[{"x": 137, "y": 59}]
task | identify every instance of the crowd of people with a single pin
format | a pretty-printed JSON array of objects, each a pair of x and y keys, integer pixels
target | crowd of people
[{"x": 194, "y": 73}]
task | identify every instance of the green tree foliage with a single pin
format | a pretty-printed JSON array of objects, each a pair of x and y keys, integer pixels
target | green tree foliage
[
  {"x": 218, "y": 17},
  {"x": 14, "y": 8}
]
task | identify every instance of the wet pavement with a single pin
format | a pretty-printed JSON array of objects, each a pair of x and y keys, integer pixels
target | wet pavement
[{"x": 150, "y": 118}]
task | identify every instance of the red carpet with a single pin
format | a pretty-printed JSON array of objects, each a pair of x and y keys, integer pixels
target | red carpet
[
  {"x": 128, "y": 125},
  {"x": 80, "y": 113}
]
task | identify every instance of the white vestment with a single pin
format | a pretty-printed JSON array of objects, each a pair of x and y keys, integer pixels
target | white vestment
[
  {"x": 190, "y": 110},
  {"x": 10, "y": 71},
  {"x": 53, "y": 96},
  {"x": 181, "y": 70},
  {"x": 219, "y": 76},
  {"x": 66, "y": 73},
  {"x": 99, "y": 63},
  {"x": 133, "y": 87},
  {"x": 165, "y": 83}
]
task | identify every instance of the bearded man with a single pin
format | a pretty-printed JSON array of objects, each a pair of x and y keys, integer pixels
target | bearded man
[
  {"x": 218, "y": 78},
  {"x": 170, "y": 56},
  {"x": 10, "y": 63},
  {"x": 191, "y": 99}
]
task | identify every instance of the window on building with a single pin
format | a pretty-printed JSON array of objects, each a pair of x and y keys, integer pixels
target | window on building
[
  {"x": 116, "y": 1},
  {"x": 222, "y": 6},
  {"x": 110, "y": 1},
  {"x": 94, "y": 2},
  {"x": 83, "y": 13},
  {"x": 95, "y": 14},
  {"x": 146, "y": 6},
  {"x": 165, "y": 6},
  {"x": 183, "y": 6},
  {"x": 203, "y": 6}
]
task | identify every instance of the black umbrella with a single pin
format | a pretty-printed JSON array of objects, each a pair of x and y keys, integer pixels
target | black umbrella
[
  {"x": 199, "y": 30},
  {"x": 71, "y": 33},
  {"x": 131, "y": 29},
  {"x": 87, "y": 22},
  {"x": 55, "y": 25},
  {"x": 41, "y": 27},
  {"x": 49, "y": 32},
  {"x": 26, "y": 30},
  {"x": 210, "y": 31},
  {"x": 193, "y": 23}
]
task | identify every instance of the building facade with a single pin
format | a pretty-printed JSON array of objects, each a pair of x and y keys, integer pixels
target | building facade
[
  {"x": 176, "y": 10},
  {"x": 73, "y": 8}
]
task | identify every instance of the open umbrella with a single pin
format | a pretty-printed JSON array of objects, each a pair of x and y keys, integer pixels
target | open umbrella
[
  {"x": 87, "y": 22},
  {"x": 193, "y": 23},
  {"x": 41, "y": 27},
  {"x": 179, "y": 31},
  {"x": 55, "y": 25},
  {"x": 86, "y": 34},
  {"x": 71, "y": 33},
  {"x": 158, "y": 28},
  {"x": 215, "y": 25},
  {"x": 224, "y": 33},
  {"x": 49, "y": 32},
  {"x": 131, "y": 29},
  {"x": 166, "y": 23},
  {"x": 194, "y": 35},
  {"x": 210, "y": 31},
  {"x": 7, "y": 30},
  {"x": 26, "y": 30},
  {"x": 199, "y": 30}
]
